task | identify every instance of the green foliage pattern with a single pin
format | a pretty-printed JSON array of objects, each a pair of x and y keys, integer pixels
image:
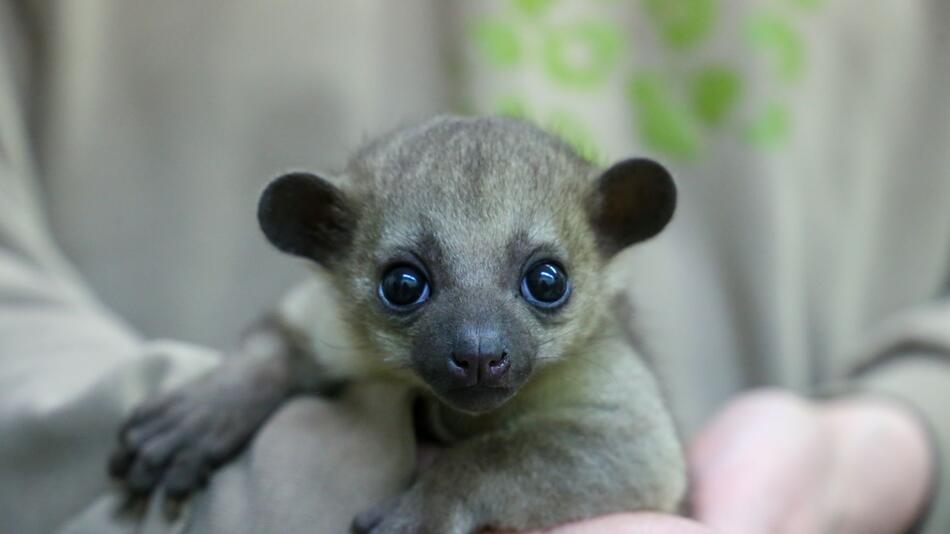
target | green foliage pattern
[{"x": 675, "y": 111}]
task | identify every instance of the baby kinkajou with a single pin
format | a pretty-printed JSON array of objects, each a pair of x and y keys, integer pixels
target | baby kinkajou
[{"x": 463, "y": 258}]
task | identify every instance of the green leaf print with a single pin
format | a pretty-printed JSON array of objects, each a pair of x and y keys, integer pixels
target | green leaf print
[
  {"x": 716, "y": 91},
  {"x": 532, "y": 7},
  {"x": 582, "y": 54},
  {"x": 777, "y": 36},
  {"x": 682, "y": 23},
  {"x": 664, "y": 125}
]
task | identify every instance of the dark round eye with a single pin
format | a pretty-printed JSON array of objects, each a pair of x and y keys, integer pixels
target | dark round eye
[
  {"x": 545, "y": 285},
  {"x": 404, "y": 286}
]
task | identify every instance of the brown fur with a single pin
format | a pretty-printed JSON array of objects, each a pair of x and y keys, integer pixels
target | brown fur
[{"x": 576, "y": 427}]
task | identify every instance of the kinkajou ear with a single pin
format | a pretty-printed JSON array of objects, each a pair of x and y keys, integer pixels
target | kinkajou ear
[
  {"x": 633, "y": 201},
  {"x": 305, "y": 215}
]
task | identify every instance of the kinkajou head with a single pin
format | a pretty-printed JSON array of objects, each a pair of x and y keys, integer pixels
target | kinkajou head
[{"x": 469, "y": 251}]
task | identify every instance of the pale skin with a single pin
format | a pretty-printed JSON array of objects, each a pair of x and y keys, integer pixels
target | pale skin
[{"x": 772, "y": 462}]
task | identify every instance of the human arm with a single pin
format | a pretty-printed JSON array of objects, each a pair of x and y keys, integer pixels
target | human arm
[{"x": 69, "y": 369}]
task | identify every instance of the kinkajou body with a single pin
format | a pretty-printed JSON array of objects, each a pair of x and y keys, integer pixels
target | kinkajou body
[{"x": 463, "y": 258}]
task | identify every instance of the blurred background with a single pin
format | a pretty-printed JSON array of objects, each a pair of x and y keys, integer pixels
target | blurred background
[
  {"x": 810, "y": 141},
  {"x": 798, "y": 130},
  {"x": 162, "y": 124}
]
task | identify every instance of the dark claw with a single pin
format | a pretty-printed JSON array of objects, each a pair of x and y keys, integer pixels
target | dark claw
[
  {"x": 143, "y": 478},
  {"x": 121, "y": 461},
  {"x": 366, "y": 521},
  {"x": 132, "y": 507},
  {"x": 173, "y": 508},
  {"x": 186, "y": 474}
]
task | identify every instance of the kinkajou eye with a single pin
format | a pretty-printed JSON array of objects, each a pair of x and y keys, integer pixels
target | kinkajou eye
[
  {"x": 404, "y": 287},
  {"x": 546, "y": 285}
]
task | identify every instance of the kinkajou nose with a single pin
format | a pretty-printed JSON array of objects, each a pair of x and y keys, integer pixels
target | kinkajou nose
[{"x": 479, "y": 357}]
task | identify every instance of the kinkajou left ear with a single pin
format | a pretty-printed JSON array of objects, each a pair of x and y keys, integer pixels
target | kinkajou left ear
[
  {"x": 633, "y": 201},
  {"x": 305, "y": 215}
]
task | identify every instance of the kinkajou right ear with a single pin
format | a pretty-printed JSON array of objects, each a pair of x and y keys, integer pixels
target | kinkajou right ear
[
  {"x": 632, "y": 201},
  {"x": 305, "y": 215}
]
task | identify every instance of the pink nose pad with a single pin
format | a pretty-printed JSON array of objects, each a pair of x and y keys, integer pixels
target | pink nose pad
[
  {"x": 494, "y": 367},
  {"x": 471, "y": 368}
]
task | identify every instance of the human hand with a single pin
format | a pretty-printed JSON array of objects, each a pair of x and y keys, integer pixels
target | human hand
[{"x": 773, "y": 462}]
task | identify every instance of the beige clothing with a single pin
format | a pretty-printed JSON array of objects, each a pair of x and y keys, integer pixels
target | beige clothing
[{"x": 149, "y": 129}]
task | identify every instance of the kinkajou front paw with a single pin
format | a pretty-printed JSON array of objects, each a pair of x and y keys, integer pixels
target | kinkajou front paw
[{"x": 175, "y": 441}]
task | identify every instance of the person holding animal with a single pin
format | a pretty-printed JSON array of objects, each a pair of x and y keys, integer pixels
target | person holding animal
[{"x": 473, "y": 291}]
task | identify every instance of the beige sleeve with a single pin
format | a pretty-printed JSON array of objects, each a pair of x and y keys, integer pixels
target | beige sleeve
[
  {"x": 910, "y": 361},
  {"x": 69, "y": 370}
]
